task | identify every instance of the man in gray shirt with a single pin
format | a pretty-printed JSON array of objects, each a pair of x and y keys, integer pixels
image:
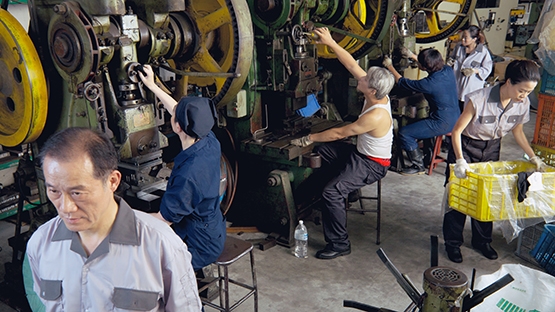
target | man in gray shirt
[{"x": 98, "y": 254}]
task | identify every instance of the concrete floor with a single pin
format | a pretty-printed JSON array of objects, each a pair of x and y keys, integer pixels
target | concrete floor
[{"x": 411, "y": 213}]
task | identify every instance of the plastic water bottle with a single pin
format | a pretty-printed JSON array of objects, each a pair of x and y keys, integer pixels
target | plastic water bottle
[{"x": 301, "y": 241}]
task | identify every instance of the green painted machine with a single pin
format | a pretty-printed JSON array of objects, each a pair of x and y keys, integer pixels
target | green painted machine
[{"x": 256, "y": 59}]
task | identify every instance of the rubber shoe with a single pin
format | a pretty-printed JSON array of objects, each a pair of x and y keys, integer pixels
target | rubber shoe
[
  {"x": 454, "y": 254},
  {"x": 486, "y": 250}
]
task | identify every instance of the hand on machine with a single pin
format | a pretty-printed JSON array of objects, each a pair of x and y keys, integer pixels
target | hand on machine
[
  {"x": 407, "y": 53},
  {"x": 302, "y": 142},
  {"x": 461, "y": 167},
  {"x": 146, "y": 74},
  {"x": 322, "y": 35},
  {"x": 141, "y": 69},
  {"x": 387, "y": 61}
]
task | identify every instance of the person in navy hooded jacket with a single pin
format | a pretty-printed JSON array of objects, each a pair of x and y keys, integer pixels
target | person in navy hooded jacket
[{"x": 191, "y": 204}]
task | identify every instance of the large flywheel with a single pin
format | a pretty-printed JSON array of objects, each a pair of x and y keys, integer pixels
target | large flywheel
[
  {"x": 225, "y": 45},
  {"x": 23, "y": 91},
  {"x": 365, "y": 18},
  {"x": 442, "y": 18}
]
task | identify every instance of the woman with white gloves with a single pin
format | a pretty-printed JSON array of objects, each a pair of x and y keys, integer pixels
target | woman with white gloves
[{"x": 489, "y": 114}]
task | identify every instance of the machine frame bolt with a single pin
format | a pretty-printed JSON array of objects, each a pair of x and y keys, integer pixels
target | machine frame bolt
[{"x": 60, "y": 9}]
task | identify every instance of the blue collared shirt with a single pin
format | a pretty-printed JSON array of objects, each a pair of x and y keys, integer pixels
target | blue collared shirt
[
  {"x": 192, "y": 200},
  {"x": 440, "y": 90}
]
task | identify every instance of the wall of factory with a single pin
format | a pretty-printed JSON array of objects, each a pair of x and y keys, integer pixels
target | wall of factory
[{"x": 497, "y": 32}]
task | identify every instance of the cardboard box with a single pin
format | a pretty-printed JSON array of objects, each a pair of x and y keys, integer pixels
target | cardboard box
[
  {"x": 500, "y": 67},
  {"x": 499, "y": 70},
  {"x": 516, "y": 51}
]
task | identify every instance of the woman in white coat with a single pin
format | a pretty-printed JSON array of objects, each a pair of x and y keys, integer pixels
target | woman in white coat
[{"x": 472, "y": 62}]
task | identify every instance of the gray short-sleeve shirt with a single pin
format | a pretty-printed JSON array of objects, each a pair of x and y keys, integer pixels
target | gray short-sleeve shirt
[
  {"x": 490, "y": 120},
  {"x": 141, "y": 266}
]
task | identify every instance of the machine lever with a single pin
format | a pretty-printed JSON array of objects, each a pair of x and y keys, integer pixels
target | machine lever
[
  {"x": 413, "y": 293},
  {"x": 479, "y": 296},
  {"x": 199, "y": 74},
  {"x": 346, "y": 33},
  {"x": 363, "y": 307},
  {"x": 434, "y": 251}
]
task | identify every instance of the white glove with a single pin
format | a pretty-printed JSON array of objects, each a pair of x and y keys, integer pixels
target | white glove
[
  {"x": 467, "y": 71},
  {"x": 387, "y": 61},
  {"x": 302, "y": 142},
  {"x": 450, "y": 62},
  {"x": 406, "y": 53},
  {"x": 461, "y": 167},
  {"x": 540, "y": 165}
]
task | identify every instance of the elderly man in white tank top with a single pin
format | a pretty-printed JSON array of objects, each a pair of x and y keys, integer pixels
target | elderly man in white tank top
[{"x": 356, "y": 166}]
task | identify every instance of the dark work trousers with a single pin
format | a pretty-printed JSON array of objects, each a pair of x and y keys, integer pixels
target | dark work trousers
[
  {"x": 423, "y": 129},
  {"x": 351, "y": 171},
  {"x": 453, "y": 221}
]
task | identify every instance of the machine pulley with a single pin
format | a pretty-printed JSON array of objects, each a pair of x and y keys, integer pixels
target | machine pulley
[{"x": 23, "y": 91}]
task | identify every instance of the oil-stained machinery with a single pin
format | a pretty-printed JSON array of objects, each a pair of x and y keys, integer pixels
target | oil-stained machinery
[{"x": 256, "y": 59}]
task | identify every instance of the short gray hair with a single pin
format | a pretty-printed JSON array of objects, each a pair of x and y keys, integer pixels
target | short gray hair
[{"x": 381, "y": 80}]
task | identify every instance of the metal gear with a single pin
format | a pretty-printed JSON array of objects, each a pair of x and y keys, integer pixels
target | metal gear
[
  {"x": 365, "y": 18},
  {"x": 436, "y": 29},
  {"x": 73, "y": 44},
  {"x": 225, "y": 45}
]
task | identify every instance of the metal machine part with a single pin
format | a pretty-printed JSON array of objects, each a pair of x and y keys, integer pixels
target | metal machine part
[
  {"x": 223, "y": 43},
  {"x": 97, "y": 49},
  {"x": 23, "y": 93},
  {"x": 445, "y": 288},
  {"x": 403, "y": 20},
  {"x": 256, "y": 59},
  {"x": 364, "y": 25},
  {"x": 439, "y": 19},
  {"x": 73, "y": 44}
]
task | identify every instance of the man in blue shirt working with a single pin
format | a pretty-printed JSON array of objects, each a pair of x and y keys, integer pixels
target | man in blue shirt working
[{"x": 191, "y": 203}]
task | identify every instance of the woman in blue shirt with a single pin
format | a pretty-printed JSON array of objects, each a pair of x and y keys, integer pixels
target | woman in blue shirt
[
  {"x": 191, "y": 203},
  {"x": 440, "y": 90}
]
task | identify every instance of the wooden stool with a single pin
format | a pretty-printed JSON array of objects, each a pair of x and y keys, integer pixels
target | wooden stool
[
  {"x": 378, "y": 209},
  {"x": 234, "y": 249},
  {"x": 436, "y": 158}
]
